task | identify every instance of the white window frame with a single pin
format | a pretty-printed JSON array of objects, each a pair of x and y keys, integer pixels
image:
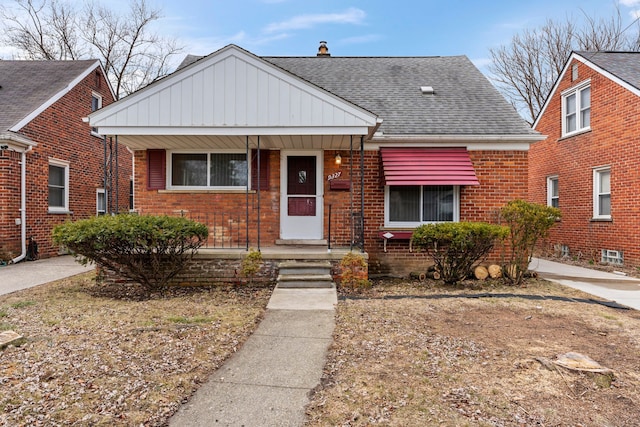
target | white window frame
[
  {"x": 597, "y": 192},
  {"x": 96, "y": 95},
  {"x": 550, "y": 196},
  {"x": 65, "y": 165},
  {"x": 100, "y": 191},
  {"x": 412, "y": 224},
  {"x": 576, "y": 90},
  {"x": 169, "y": 169}
]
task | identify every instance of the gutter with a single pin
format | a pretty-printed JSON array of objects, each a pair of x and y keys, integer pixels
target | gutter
[
  {"x": 15, "y": 142},
  {"x": 23, "y": 205}
]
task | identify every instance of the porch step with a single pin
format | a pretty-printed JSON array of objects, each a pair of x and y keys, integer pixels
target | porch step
[
  {"x": 295, "y": 274},
  {"x": 301, "y": 242}
]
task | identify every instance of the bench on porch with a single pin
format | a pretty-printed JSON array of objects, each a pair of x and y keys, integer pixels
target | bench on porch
[{"x": 395, "y": 235}]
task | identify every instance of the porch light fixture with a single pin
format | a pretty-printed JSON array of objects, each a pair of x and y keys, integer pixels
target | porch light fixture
[{"x": 338, "y": 159}]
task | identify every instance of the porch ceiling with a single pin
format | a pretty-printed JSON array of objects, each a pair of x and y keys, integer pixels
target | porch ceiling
[{"x": 235, "y": 142}]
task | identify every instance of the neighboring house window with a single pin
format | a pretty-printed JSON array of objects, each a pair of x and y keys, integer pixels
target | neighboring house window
[
  {"x": 101, "y": 201},
  {"x": 413, "y": 205},
  {"x": 58, "y": 186},
  {"x": 602, "y": 193},
  {"x": 96, "y": 104},
  {"x": 576, "y": 109},
  {"x": 209, "y": 170},
  {"x": 553, "y": 195}
]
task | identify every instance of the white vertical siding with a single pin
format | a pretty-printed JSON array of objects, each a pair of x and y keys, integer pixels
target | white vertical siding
[{"x": 236, "y": 90}]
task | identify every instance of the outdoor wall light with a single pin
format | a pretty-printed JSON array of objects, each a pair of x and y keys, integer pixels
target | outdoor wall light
[{"x": 338, "y": 159}]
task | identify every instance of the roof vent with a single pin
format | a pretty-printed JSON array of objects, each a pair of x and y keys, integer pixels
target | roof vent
[
  {"x": 323, "y": 50},
  {"x": 427, "y": 90}
]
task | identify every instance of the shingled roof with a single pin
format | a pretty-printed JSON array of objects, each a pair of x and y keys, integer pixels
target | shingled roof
[
  {"x": 623, "y": 65},
  {"x": 463, "y": 101},
  {"x": 26, "y": 86}
]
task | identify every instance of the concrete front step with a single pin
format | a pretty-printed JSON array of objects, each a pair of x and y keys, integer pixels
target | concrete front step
[{"x": 307, "y": 274}]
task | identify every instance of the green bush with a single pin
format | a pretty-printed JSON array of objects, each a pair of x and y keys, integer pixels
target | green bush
[
  {"x": 150, "y": 250},
  {"x": 456, "y": 246},
  {"x": 251, "y": 264},
  {"x": 528, "y": 222}
]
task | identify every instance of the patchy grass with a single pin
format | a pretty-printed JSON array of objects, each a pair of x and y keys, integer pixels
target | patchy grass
[
  {"x": 91, "y": 359},
  {"x": 408, "y": 354}
]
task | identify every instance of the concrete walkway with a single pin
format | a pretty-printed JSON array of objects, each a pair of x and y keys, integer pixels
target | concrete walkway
[
  {"x": 610, "y": 286},
  {"x": 267, "y": 383},
  {"x": 27, "y": 274}
]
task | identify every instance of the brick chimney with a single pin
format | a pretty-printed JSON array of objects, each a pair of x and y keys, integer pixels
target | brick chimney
[{"x": 323, "y": 50}]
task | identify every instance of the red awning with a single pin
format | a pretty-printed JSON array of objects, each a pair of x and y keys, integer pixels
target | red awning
[{"x": 427, "y": 166}]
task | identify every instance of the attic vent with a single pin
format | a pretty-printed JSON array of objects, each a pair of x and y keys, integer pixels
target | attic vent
[{"x": 427, "y": 90}]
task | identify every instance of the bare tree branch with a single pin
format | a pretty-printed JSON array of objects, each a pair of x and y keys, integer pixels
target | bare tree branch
[
  {"x": 526, "y": 69},
  {"x": 132, "y": 54}
]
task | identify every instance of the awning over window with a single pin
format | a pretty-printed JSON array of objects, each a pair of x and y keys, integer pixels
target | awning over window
[{"x": 427, "y": 166}]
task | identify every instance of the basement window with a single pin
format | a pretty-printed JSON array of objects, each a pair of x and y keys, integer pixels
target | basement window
[{"x": 612, "y": 257}]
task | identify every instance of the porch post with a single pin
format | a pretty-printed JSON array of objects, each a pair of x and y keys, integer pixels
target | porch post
[
  {"x": 247, "y": 193},
  {"x": 258, "y": 193},
  {"x": 362, "y": 187}
]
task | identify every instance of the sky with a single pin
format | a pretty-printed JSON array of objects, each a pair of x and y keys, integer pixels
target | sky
[{"x": 364, "y": 27}]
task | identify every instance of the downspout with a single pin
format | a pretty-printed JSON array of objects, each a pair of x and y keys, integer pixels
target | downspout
[{"x": 23, "y": 206}]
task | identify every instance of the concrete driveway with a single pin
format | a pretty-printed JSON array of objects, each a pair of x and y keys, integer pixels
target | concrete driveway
[{"x": 27, "y": 274}]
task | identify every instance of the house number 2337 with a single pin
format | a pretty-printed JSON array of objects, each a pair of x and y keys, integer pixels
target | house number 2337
[{"x": 334, "y": 175}]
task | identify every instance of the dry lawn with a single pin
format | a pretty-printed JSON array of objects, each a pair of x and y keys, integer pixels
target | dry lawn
[
  {"x": 91, "y": 359},
  {"x": 402, "y": 357}
]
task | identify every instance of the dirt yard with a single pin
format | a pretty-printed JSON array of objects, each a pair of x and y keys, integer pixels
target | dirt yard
[{"x": 422, "y": 355}]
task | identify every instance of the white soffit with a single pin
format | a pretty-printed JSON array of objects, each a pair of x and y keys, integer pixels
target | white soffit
[{"x": 231, "y": 92}]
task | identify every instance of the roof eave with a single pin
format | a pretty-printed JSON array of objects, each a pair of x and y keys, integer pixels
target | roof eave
[
  {"x": 472, "y": 142},
  {"x": 16, "y": 141}
]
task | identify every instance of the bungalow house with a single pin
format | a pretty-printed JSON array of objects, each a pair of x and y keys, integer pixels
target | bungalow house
[
  {"x": 338, "y": 152},
  {"x": 54, "y": 166},
  {"x": 588, "y": 165}
]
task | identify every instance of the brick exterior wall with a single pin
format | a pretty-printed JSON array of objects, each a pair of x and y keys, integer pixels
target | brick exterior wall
[
  {"x": 502, "y": 176},
  {"x": 60, "y": 134},
  {"x": 613, "y": 141}
]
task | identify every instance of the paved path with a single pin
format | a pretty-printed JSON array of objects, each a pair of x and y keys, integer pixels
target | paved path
[
  {"x": 614, "y": 287},
  {"x": 267, "y": 383},
  {"x": 27, "y": 274}
]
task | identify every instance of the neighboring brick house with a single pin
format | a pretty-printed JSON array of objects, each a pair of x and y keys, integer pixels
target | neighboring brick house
[
  {"x": 42, "y": 106},
  {"x": 589, "y": 164},
  {"x": 336, "y": 151}
]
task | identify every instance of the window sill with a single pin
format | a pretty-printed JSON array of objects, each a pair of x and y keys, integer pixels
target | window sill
[
  {"x": 209, "y": 191},
  {"x": 601, "y": 220},
  {"x": 55, "y": 212},
  {"x": 576, "y": 133},
  {"x": 97, "y": 135}
]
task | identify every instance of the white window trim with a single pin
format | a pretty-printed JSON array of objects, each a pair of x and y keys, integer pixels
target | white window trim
[
  {"x": 397, "y": 224},
  {"x": 99, "y": 97},
  {"x": 98, "y": 192},
  {"x": 596, "y": 191},
  {"x": 549, "y": 190},
  {"x": 65, "y": 165},
  {"x": 566, "y": 93},
  {"x": 169, "y": 166}
]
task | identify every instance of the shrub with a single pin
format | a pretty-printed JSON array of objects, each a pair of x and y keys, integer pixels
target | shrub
[
  {"x": 354, "y": 274},
  {"x": 456, "y": 246},
  {"x": 251, "y": 264},
  {"x": 528, "y": 222},
  {"x": 150, "y": 250}
]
